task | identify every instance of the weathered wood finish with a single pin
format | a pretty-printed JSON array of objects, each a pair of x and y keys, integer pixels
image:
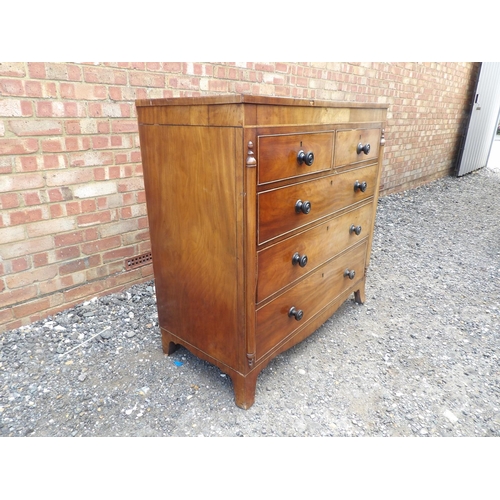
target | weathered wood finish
[{"x": 222, "y": 179}]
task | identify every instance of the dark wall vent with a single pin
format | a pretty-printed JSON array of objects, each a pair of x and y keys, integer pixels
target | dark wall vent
[{"x": 138, "y": 261}]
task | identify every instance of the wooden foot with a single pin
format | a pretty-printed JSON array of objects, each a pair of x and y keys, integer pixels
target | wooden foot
[
  {"x": 244, "y": 389},
  {"x": 359, "y": 295},
  {"x": 169, "y": 346}
]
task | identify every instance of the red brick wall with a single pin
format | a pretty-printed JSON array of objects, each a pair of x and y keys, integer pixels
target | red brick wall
[{"x": 71, "y": 191}]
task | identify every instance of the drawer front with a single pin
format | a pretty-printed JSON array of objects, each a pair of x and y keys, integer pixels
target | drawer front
[
  {"x": 285, "y": 209},
  {"x": 279, "y": 155},
  {"x": 289, "y": 260},
  {"x": 346, "y": 151},
  {"x": 274, "y": 322}
]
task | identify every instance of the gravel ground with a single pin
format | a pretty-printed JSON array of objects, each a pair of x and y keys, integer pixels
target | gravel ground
[{"x": 419, "y": 358}]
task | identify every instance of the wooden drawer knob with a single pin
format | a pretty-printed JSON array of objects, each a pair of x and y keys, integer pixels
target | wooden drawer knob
[
  {"x": 302, "y": 206},
  {"x": 307, "y": 158},
  {"x": 363, "y": 148},
  {"x": 297, "y": 259},
  {"x": 296, "y": 313}
]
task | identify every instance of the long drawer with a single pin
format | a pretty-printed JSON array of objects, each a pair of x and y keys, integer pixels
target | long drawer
[
  {"x": 288, "y": 208},
  {"x": 289, "y": 311},
  {"x": 290, "y": 259}
]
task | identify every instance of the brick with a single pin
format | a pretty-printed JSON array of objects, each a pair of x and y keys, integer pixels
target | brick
[
  {"x": 172, "y": 67},
  {"x": 11, "y": 87},
  {"x": 25, "y": 216},
  {"x": 10, "y": 297},
  {"x": 133, "y": 184},
  {"x": 67, "y": 253},
  {"x": 5, "y": 314},
  {"x": 115, "y": 93},
  {"x": 68, "y": 177},
  {"x": 79, "y": 265},
  {"x": 124, "y": 126},
  {"x": 69, "y": 238},
  {"x": 24, "y": 279},
  {"x": 95, "y": 189},
  {"x": 40, "y": 259},
  {"x": 10, "y": 235},
  {"x": 88, "y": 206},
  {"x": 9, "y": 200},
  {"x": 100, "y": 142},
  {"x": 32, "y": 198},
  {"x": 120, "y": 253},
  {"x": 142, "y": 222},
  {"x": 60, "y": 194},
  {"x": 104, "y": 75},
  {"x": 35, "y": 127},
  {"x": 101, "y": 245},
  {"x": 14, "y": 107},
  {"x": 120, "y": 227},
  {"x": 86, "y": 291},
  {"x": 18, "y": 146},
  {"x": 27, "y": 163},
  {"x": 82, "y": 91},
  {"x": 60, "y": 284},
  {"x": 74, "y": 109},
  {"x": 31, "y": 307},
  {"x": 33, "y": 89},
  {"x": 57, "y": 211},
  {"x": 45, "y": 109},
  {"x": 91, "y": 158},
  {"x": 124, "y": 278},
  {"x": 95, "y": 218},
  {"x": 36, "y": 70},
  {"x": 54, "y": 161},
  {"x": 83, "y": 126},
  {"x": 74, "y": 72},
  {"x": 218, "y": 86},
  {"x": 56, "y": 71},
  {"x": 46, "y": 227},
  {"x": 73, "y": 208},
  {"x": 146, "y": 79},
  {"x": 20, "y": 264},
  {"x": 21, "y": 182},
  {"x": 13, "y": 69}
]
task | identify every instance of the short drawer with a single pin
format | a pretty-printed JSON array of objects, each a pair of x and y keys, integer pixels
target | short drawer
[
  {"x": 289, "y": 311},
  {"x": 286, "y": 156},
  {"x": 290, "y": 259},
  {"x": 357, "y": 145},
  {"x": 288, "y": 208}
]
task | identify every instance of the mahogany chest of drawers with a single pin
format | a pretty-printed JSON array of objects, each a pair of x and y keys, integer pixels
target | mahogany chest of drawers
[{"x": 261, "y": 213}]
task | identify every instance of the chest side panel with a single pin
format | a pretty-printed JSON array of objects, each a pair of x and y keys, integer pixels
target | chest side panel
[{"x": 193, "y": 216}]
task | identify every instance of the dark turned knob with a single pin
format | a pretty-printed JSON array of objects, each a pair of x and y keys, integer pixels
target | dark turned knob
[
  {"x": 307, "y": 158},
  {"x": 361, "y": 186},
  {"x": 363, "y": 148},
  {"x": 350, "y": 274},
  {"x": 303, "y": 206},
  {"x": 355, "y": 229},
  {"x": 297, "y": 259},
  {"x": 296, "y": 313}
]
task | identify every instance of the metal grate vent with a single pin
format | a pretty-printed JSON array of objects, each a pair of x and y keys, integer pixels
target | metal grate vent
[{"x": 138, "y": 261}]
